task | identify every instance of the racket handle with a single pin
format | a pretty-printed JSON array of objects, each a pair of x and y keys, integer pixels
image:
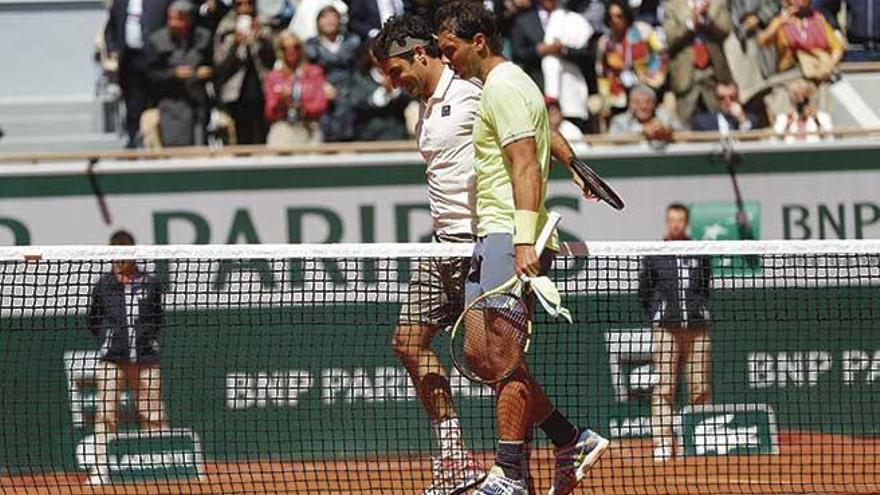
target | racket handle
[{"x": 553, "y": 220}]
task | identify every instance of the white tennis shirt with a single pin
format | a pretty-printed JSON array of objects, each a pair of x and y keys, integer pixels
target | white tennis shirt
[{"x": 444, "y": 135}]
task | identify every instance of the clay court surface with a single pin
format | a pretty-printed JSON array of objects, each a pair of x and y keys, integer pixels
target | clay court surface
[{"x": 807, "y": 463}]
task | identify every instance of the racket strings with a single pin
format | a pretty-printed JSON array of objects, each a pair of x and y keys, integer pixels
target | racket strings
[{"x": 496, "y": 332}]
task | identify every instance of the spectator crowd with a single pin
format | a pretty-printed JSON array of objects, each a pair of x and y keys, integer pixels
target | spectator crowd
[{"x": 284, "y": 72}]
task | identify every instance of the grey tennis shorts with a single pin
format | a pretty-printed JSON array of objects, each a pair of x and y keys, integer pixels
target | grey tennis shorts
[
  {"x": 492, "y": 264},
  {"x": 436, "y": 289}
]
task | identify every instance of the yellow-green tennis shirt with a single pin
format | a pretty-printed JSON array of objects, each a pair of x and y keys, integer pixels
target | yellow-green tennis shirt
[{"x": 512, "y": 108}]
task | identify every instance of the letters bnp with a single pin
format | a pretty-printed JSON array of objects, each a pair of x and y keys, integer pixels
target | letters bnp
[
  {"x": 792, "y": 369},
  {"x": 857, "y": 220}
]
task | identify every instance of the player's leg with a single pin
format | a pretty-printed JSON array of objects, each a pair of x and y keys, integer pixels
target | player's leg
[
  {"x": 492, "y": 265},
  {"x": 698, "y": 365},
  {"x": 424, "y": 312},
  {"x": 411, "y": 344},
  {"x": 576, "y": 450},
  {"x": 521, "y": 402},
  {"x": 513, "y": 417},
  {"x": 666, "y": 363},
  {"x": 147, "y": 382},
  {"x": 558, "y": 428},
  {"x": 109, "y": 384}
]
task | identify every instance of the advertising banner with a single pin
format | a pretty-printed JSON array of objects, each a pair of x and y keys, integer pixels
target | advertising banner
[{"x": 826, "y": 191}]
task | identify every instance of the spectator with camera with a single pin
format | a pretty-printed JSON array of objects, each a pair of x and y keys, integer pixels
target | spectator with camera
[
  {"x": 804, "y": 38},
  {"x": 695, "y": 32},
  {"x": 243, "y": 54},
  {"x": 804, "y": 123},
  {"x": 296, "y": 95},
  {"x": 179, "y": 69},
  {"x": 807, "y": 48}
]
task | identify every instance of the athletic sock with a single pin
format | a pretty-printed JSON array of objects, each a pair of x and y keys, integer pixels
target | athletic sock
[
  {"x": 510, "y": 458},
  {"x": 559, "y": 429},
  {"x": 448, "y": 434}
]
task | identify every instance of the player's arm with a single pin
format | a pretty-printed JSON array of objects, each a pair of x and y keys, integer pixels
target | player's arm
[
  {"x": 560, "y": 148},
  {"x": 526, "y": 181},
  {"x": 562, "y": 151},
  {"x": 508, "y": 109}
]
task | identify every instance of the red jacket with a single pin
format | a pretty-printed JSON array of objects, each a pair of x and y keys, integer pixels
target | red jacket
[{"x": 307, "y": 99}]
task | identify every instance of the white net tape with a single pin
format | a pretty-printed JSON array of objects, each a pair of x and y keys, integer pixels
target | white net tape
[{"x": 57, "y": 279}]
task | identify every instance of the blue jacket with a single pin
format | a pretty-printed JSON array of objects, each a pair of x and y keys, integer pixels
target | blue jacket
[
  {"x": 863, "y": 22},
  {"x": 708, "y": 121},
  {"x": 127, "y": 319},
  {"x": 863, "y": 19},
  {"x": 337, "y": 123},
  {"x": 674, "y": 290}
]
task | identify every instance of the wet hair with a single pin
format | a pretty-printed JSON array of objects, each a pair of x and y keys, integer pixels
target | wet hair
[
  {"x": 467, "y": 18},
  {"x": 397, "y": 32}
]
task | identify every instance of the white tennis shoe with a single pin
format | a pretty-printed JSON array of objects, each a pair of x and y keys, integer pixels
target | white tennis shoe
[
  {"x": 454, "y": 475},
  {"x": 497, "y": 483}
]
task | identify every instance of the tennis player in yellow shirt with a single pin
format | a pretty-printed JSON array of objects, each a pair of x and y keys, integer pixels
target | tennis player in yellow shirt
[{"x": 511, "y": 138}]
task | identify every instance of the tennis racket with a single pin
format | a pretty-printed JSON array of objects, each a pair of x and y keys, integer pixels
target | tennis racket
[
  {"x": 491, "y": 337},
  {"x": 591, "y": 184}
]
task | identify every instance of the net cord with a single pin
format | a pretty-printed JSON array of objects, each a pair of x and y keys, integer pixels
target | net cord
[{"x": 414, "y": 250}]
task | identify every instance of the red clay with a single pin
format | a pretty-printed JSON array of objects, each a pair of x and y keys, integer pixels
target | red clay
[{"x": 807, "y": 463}]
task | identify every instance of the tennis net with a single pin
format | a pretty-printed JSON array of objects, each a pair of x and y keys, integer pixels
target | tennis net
[{"x": 735, "y": 367}]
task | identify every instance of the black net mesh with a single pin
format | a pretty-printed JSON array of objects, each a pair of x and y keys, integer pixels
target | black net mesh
[{"x": 709, "y": 374}]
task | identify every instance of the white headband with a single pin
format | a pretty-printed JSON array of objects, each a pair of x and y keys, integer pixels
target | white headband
[{"x": 409, "y": 43}]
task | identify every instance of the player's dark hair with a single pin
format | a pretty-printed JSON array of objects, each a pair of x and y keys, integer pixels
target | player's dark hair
[
  {"x": 122, "y": 238},
  {"x": 628, "y": 13},
  {"x": 467, "y": 18},
  {"x": 680, "y": 207},
  {"x": 394, "y": 34}
]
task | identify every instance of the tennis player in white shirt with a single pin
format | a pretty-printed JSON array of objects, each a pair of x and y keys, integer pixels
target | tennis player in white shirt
[{"x": 408, "y": 55}]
